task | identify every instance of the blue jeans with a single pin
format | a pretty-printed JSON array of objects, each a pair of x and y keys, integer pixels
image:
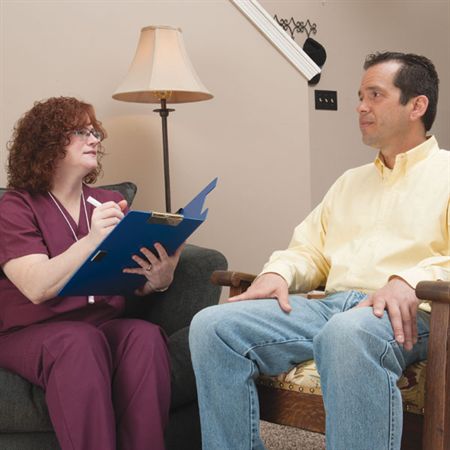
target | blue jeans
[{"x": 356, "y": 354}]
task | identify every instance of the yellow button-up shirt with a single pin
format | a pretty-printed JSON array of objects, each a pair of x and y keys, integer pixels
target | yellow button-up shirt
[{"x": 375, "y": 223}]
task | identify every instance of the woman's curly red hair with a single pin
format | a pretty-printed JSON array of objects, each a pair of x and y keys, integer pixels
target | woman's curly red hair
[{"x": 39, "y": 140}]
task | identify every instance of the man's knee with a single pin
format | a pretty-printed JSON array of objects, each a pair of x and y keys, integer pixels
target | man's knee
[
  {"x": 350, "y": 331},
  {"x": 204, "y": 324},
  {"x": 216, "y": 325}
]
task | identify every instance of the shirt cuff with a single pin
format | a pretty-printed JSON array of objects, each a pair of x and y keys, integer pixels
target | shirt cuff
[
  {"x": 415, "y": 275},
  {"x": 279, "y": 269}
]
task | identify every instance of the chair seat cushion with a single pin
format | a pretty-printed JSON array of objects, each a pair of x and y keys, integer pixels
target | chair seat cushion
[
  {"x": 305, "y": 378},
  {"x": 23, "y": 407}
]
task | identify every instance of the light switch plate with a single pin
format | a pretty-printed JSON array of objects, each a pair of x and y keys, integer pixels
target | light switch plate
[{"x": 326, "y": 100}]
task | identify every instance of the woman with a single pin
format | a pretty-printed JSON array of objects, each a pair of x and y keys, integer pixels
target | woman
[{"x": 106, "y": 378}]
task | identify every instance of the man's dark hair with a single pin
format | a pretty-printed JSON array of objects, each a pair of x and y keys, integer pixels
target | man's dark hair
[{"x": 416, "y": 76}]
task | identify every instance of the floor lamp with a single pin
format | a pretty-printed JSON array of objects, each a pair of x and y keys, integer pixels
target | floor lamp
[{"x": 161, "y": 72}]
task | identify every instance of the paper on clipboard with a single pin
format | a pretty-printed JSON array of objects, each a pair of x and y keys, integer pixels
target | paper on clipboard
[{"x": 102, "y": 272}]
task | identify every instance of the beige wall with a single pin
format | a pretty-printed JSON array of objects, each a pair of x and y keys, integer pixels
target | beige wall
[
  {"x": 254, "y": 134},
  {"x": 349, "y": 30}
]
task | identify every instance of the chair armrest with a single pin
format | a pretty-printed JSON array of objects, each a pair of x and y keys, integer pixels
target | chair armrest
[
  {"x": 238, "y": 282},
  {"x": 436, "y": 291},
  {"x": 190, "y": 291}
]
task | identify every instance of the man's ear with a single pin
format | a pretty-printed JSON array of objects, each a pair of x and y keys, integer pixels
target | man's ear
[{"x": 419, "y": 106}]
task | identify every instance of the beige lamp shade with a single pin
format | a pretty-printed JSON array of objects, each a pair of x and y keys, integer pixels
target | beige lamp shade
[{"x": 161, "y": 69}]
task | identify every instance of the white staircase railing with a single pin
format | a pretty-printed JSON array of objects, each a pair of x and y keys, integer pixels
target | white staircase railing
[{"x": 278, "y": 37}]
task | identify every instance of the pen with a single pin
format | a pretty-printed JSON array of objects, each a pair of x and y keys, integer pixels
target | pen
[{"x": 93, "y": 201}]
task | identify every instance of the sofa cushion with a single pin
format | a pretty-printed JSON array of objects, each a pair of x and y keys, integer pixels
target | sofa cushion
[
  {"x": 127, "y": 189},
  {"x": 23, "y": 405},
  {"x": 305, "y": 378}
]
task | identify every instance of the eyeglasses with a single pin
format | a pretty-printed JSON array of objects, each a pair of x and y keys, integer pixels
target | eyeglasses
[{"x": 84, "y": 133}]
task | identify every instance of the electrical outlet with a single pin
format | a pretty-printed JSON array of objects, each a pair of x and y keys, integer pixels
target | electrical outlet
[{"x": 326, "y": 100}]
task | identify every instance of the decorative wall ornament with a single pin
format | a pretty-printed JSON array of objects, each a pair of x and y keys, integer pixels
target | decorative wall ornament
[{"x": 296, "y": 26}]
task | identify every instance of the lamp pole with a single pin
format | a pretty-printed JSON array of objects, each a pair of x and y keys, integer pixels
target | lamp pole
[{"x": 164, "y": 113}]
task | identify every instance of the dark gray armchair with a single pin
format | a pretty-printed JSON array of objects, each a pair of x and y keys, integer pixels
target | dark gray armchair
[{"x": 24, "y": 420}]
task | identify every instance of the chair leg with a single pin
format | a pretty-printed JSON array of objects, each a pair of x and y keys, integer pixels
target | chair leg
[
  {"x": 412, "y": 431},
  {"x": 437, "y": 398}
]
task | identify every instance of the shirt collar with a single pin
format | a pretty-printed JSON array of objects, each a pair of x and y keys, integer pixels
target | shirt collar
[{"x": 410, "y": 158}]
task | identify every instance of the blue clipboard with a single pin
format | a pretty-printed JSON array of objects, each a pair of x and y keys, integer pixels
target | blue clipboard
[{"x": 101, "y": 273}]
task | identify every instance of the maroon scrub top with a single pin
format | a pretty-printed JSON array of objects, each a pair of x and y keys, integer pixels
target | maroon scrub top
[{"x": 30, "y": 224}]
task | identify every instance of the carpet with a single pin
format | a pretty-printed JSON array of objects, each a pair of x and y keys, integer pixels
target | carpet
[{"x": 280, "y": 437}]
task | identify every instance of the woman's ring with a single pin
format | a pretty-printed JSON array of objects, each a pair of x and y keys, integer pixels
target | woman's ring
[{"x": 149, "y": 268}]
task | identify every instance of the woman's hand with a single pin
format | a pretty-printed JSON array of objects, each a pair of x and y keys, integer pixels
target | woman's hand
[
  {"x": 104, "y": 218},
  {"x": 158, "y": 270}
]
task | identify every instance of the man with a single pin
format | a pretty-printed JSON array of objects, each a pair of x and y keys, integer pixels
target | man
[{"x": 379, "y": 230}]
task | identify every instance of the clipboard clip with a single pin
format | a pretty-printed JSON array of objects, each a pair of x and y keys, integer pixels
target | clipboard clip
[{"x": 165, "y": 219}]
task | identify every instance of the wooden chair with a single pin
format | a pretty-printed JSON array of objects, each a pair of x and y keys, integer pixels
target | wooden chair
[{"x": 429, "y": 430}]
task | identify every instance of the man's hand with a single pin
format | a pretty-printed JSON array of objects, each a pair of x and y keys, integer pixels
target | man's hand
[
  {"x": 269, "y": 285},
  {"x": 400, "y": 301}
]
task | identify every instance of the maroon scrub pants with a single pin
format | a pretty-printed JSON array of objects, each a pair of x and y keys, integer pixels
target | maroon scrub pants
[{"x": 107, "y": 387}]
